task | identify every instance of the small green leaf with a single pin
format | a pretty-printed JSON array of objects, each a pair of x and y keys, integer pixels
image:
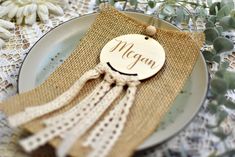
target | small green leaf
[
  {"x": 232, "y": 13},
  {"x": 229, "y": 3},
  {"x": 151, "y": 4},
  {"x": 224, "y": 65},
  {"x": 213, "y": 154},
  {"x": 222, "y": 44},
  {"x": 214, "y": 8},
  {"x": 209, "y": 126},
  {"x": 209, "y": 2},
  {"x": 180, "y": 15},
  {"x": 230, "y": 78},
  {"x": 221, "y": 135},
  {"x": 221, "y": 116},
  {"x": 212, "y": 108},
  {"x": 162, "y": 16},
  {"x": 219, "y": 86},
  {"x": 211, "y": 35},
  {"x": 229, "y": 153},
  {"x": 229, "y": 104},
  {"x": 168, "y": 10},
  {"x": 208, "y": 55},
  {"x": 219, "y": 29},
  {"x": 201, "y": 12},
  {"x": 216, "y": 58},
  {"x": 98, "y": 2},
  {"x": 219, "y": 73},
  {"x": 224, "y": 11},
  {"x": 227, "y": 22},
  {"x": 210, "y": 24},
  {"x": 221, "y": 99},
  {"x": 212, "y": 18},
  {"x": 112, "y": 2},
  {"x": 133, "y": 2}
]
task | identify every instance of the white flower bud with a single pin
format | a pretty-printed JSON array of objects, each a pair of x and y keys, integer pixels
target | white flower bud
[
  {"x": 4, "y": 33},
  {"x": 2, "y": 43},
  {"x": 31, "y": 19},
  {"x": 6, "y": 24},
  {"x": 25, "y": 10}
]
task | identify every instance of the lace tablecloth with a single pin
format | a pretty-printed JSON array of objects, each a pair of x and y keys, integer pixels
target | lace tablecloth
[{"x": 194, "y": 140}]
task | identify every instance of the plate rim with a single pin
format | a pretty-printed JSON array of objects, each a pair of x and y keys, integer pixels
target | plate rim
[{"x": 146, "y": 146}]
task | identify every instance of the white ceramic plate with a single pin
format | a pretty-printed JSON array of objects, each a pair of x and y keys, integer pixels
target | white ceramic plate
[{"x": 53, "y": 48}]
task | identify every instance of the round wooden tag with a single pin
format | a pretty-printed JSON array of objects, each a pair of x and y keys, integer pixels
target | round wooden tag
[{"x": 134, "y": 54}]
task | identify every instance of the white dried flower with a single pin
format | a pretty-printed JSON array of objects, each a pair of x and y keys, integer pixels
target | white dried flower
[
  {"x": 4, "y": 33},
  {"x": 27, "y": 11}
]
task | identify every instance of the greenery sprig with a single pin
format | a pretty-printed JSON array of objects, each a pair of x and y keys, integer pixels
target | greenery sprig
[{"x": 219, "y": 20}]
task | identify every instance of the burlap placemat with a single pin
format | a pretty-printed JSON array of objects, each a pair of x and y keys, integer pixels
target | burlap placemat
[{"x": 154, "y": 96}]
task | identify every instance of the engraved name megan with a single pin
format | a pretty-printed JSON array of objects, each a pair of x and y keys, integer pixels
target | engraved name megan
[{"x": 127, "y": 51}]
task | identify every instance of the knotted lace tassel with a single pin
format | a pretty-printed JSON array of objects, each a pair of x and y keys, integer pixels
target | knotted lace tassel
[
  {"x": 64, "y": 99},
  {"x": 57, "y": 129},
  {"x": 86, "y": 123},
  {"x": 104, "y": 136},
  {"x": 100, "y": 90}
]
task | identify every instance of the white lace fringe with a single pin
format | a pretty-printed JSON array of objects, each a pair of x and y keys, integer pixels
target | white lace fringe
[
  {"x": 74, "y": 123},
  {"x": 81, "y": 127},
  {"x": 31, "y": 113},
  {"x": 104, "y": 136},
  {"x": 103, "y": 87}
]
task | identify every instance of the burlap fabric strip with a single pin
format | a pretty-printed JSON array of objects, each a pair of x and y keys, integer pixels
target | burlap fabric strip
[{"x": 154, "y": 96}]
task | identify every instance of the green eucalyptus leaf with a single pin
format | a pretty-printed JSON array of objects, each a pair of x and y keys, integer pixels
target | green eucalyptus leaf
[
  {"x": 201, "y": 12},
  {"x": 224, "y": 11},
  {"x": 212, "y": 108},
  {"x": 222, "y": 44},
  {"x": 221, "y": 116},
  {"x": 229, "y": 153},
  {"x": 208, "y": 55},
  {"x": 209, "y": 24},
  {"x": 112, "y": 2},
  {"x": 162, "y": 16},
  {"x": 227, "y": 22},
  {"x": 230, "y": 78},
  {"x": 209, "y": 2},
  {"x": 216, "y": 59},
  {"x": 168, "y": 10},
  {"x": 211, "y": 34},
  {"x": 214, "y": 8},
  {"x": 229, "y": 104},
  {"x": 220, "y": 134},
  {"x": 219, "y": 86},
  {"x": 221, "y": 99},
  {"x": 151, "y": 3},
  {"x": 224, "y": 65},
  {"x": 213, "y": 154},
  {"x": 212, "y": 18},
  {"x": 209, "y": 126},
  {"x": 229, "y": 3},
  {"x": 220, "y": 73},
  {"x": 179, "y": 14},
  {"x": 133, "y": 2},
  {"x": 232, "y": 13},
  {"x": 98, "y": 2},
  {"x": 186, "y": 19},
  {"x": 219, "y": 29}
]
